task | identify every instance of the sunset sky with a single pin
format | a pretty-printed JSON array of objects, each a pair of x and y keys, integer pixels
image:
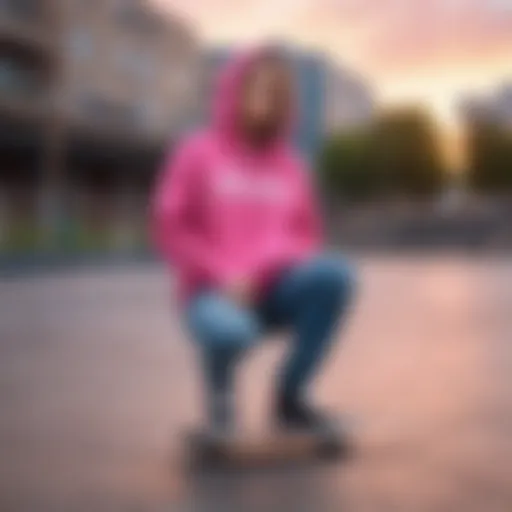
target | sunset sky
[{"x": 411, "y": 50}]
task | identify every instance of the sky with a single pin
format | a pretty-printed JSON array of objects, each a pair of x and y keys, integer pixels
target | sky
[{"x": 427, "y": 51}]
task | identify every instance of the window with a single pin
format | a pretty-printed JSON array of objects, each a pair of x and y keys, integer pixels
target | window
[
  {"x": 82, "y": 3},
  {"x": 19, "y": 78},
  {"x": 135, "y": 16},
  {"x": 182, "y": 81},
  {"x": 135, "y": 63},
  {"x": 26, "y": 10},
  {"x": 108, "y": 110},
  {"x": 85, "y": 5},
  {"x": 149, "y": 112},
  {"x": 145, "y": 67},
  {"x": 81, "y": 44}
]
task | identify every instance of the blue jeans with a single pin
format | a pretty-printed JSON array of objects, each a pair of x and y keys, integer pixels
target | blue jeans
[{"x": 308, "y": 299}]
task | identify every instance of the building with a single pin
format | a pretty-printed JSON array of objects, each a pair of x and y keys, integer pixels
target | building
[
  {"x": 126, "y": 66},
  {"x": 128, "y": 86},
  {"x": 473, "y": 108},
  {"x": 503, "y": 102},
  {"x": 350, "y": 102},
  {"x": 28, "y": 67},
  {"x": 90, "y": 93},
  {"x": 212, "y": 60},
  {"x": 495, "y": 107},
  {"x": 310, "y": 79}
]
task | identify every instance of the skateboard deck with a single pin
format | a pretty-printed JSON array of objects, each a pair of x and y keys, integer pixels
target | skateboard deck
[{"x": 272, "y": 449}]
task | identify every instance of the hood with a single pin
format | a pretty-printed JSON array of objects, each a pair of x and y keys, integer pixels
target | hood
[{"x": 229, "y": 89}]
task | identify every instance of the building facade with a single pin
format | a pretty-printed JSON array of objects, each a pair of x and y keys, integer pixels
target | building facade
[
  {"x": 212, "y": 61},
  {"x": 349, "y": 101},
  {"x": 29, "y": 63},
  {"x": 310, "y": 79},
  {"x": 126, "y": 66},
  {"x": 90, "y": 94},
  {"x": 503, "y": 101},
  {"x": 494, "y": 107}
]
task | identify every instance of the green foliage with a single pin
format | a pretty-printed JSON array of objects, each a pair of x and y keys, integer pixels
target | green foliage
[
  {"x": 490, "y": 157},
  {"x": 406, "y": 149},
  {"x": 21, "y": 236},
  {"x": 397, "y": 155},
  {"x": 346, "y": 166}
]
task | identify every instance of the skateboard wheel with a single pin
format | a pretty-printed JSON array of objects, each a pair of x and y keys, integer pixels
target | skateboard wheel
[
  {"x": 333, "y": 448},
  {"x": 204, "y": 451}
]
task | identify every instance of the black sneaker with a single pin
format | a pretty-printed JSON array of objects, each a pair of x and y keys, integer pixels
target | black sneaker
[{"x": 294, "y": 414}]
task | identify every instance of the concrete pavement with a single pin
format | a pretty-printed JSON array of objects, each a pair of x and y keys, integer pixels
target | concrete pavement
[{"x": 97, "y": 382}]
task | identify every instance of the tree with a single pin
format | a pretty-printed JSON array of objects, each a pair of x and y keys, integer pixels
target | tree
[
  {"x": 397, "y": 155},
  {"x": 346, "y": 167},
  {"x": 490, "y": 157},
  {"x": 406, "y": 149}
]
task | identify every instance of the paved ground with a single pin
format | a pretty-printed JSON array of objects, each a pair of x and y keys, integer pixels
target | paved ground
[{"x": 96, "y": 382}]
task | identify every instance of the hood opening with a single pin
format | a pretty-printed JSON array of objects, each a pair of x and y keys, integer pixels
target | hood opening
[{"x": 229, "y": 88}]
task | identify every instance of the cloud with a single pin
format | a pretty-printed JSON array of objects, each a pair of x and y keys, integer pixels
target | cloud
[
  {"x": 422, "y": 48},
  {"x": 390, "y": 33}
]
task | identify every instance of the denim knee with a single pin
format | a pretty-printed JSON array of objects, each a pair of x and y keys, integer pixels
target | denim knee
[
  {"x": 329, "y": 274},
  {"x": 218, "y": 324},
  {"x": 234, "y": 333}
]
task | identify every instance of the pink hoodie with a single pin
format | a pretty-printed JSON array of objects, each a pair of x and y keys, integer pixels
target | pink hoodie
[{"x": 223, "y": 210}]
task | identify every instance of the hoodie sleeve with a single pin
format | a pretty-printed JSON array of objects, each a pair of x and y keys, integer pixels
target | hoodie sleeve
[{"x": 176, "y": 229}]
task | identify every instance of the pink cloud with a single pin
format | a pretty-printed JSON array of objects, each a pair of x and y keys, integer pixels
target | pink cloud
[
  {"x": 396, "y": 30},
  {"x": 426, "y": 43},
  {"x": 409, "y": 34}
]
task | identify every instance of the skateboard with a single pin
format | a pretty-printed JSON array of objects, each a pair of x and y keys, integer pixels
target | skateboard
[{"x": 275, "y": 448}]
